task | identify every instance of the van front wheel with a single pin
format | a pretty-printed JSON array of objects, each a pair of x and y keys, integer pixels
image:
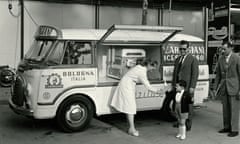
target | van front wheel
[{"x": 75, "y": 114}]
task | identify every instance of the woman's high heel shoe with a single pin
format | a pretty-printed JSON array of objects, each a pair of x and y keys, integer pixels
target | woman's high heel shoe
[{"x": 133, "y": 133}]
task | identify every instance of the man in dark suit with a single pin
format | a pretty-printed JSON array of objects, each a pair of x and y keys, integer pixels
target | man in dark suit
[
  {"x": 186, "y": 68},
  {"x": 227, "y": 86}
]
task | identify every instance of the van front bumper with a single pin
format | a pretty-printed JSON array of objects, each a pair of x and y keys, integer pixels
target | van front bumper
[{"x": 20, "y": 110}]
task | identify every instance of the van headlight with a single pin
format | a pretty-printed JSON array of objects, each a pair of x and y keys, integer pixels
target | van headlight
[{"x": 7, "y": 77}]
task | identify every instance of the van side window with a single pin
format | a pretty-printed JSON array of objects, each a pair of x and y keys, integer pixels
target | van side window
[{"x": 78, "y": 53}]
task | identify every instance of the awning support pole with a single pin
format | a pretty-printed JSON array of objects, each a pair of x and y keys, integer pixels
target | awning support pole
[{"x": 22, "y": 29}]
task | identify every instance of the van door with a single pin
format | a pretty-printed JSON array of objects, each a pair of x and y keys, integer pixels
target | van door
[{"x": 70, "y": 66}]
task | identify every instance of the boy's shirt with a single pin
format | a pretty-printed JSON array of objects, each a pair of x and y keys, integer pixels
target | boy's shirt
[{"x": 179, "y": 96}]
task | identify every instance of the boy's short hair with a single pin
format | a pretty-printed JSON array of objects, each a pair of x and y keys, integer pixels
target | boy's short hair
[{"x": 182, "y": 83}]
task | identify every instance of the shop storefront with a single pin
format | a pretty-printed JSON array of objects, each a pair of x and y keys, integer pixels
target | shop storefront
[{"x": 222, "y": 23}]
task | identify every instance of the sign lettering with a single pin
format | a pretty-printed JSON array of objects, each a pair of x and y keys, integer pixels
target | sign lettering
[
  {"x": 79, "y": 75},
  {"x": 171, "y": 52},
  {"x": 47, "y": 31}
]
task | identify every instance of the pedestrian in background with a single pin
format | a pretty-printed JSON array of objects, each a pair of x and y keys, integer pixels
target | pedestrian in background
[
  {"x": 124, "y": 96},
  {"x": 186, "y": 68},
  {"x": 227, "y": 86},
  {"x": 182, "y": 101}
]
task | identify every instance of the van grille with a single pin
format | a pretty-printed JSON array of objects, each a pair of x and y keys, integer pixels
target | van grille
[{"x": 18, "y": 92}]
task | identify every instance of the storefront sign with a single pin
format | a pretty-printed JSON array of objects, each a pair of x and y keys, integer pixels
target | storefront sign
[
  {"x": 218, "y": 34},
  {"x": 201, "y": 92},
  {"x": 218, "y": 25},
  {"x": 221, "y": 13},
  {"x": 215, "y": 43},
  {"x": 218, "y": 29}
]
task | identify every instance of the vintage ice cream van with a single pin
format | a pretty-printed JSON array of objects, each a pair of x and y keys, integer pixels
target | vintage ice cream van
[{"x": 71, "y": 74}]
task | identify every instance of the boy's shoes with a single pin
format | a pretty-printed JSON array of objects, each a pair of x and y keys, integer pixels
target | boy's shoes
[
  {"x": 224, "y": 130},
  {"x": 233, "y": 134},
  {"x": 178, "y": 135},
  {"x": 182, "y": 137}
]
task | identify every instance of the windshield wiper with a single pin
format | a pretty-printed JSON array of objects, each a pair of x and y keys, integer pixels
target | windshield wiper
[
  {"x": 52, "y": 63},
  {"x": 32, "y": 60}
]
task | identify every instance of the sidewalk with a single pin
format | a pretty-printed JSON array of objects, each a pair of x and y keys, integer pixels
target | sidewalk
[{"x": 214, "y": 106}]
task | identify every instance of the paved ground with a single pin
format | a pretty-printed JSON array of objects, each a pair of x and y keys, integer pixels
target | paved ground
[
  {"x": 15, "y": 129},
  {"x": 207, "y": 121},
  {"x": 4, "y": 95}
]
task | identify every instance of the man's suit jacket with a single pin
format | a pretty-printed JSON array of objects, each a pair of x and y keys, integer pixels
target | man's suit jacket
[
  {"x": 188, "y": 71},
  {"x": 230, "y": 75}
]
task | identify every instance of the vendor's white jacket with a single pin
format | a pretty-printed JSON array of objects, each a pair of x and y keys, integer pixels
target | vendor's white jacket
[{"x": 124, "y": 96}]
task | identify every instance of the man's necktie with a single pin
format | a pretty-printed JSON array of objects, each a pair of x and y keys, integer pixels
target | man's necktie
[
  {"x": 180, "y": 63},
  {"x": 179, "y": 66}
]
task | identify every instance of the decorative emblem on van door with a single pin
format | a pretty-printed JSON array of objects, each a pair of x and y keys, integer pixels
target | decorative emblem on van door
[{"x": 54, "y": 81}]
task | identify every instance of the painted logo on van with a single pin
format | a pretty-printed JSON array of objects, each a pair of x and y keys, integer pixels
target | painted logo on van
[
  {"x": 81, "y": 75},
  {"x": 54, "y": 81}
]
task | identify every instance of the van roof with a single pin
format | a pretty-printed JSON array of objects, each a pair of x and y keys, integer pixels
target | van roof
[{"x": 125, "y": 35}]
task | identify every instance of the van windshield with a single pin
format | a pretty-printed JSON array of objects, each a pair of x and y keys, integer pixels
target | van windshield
[{"x": 39, "y": 50}]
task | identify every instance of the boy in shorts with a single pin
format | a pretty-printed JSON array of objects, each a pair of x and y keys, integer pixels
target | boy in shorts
[{"x": 182, "y": 102}]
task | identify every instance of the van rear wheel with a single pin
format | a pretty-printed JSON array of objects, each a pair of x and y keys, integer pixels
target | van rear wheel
[{"x": 75, "y": 114}]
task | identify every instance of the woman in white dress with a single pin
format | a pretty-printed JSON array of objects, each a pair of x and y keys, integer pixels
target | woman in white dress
[{"x": 124, "y": 96}]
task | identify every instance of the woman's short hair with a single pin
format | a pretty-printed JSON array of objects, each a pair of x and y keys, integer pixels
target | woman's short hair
[
  {"x": 145, "y": 62},
  {"x": 182, "y": 83}
]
